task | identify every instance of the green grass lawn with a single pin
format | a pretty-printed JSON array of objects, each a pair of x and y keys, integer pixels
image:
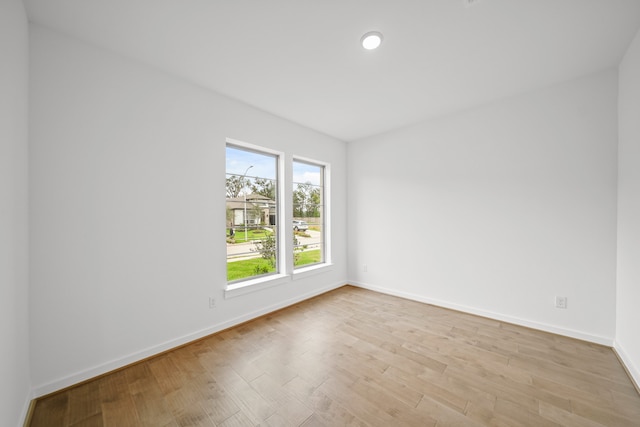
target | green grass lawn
[
  {"x": 253, "y": 234},
  {"x": 247, "y": 268},
  {"x": 308, "y": 257}
]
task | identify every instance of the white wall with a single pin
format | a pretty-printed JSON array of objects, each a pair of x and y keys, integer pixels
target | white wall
[
  {"x": 497, "y": 210},
  {"x": 628, "y": 292},
  {"x": 15, "y": 384},
  {"x": 128, "y": 211}
]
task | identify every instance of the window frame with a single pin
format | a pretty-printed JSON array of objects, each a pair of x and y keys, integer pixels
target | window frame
[
  {"x": 325, "y": 215},
  {"x": 280, "y": 235},
  {"x": 286, "y": 272}
]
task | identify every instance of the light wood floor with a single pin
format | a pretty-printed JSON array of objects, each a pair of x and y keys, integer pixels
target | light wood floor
[{"x": 353, "y": 357}]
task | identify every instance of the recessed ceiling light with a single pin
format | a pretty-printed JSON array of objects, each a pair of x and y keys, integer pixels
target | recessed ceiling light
[{"x": 371, "y": 40}]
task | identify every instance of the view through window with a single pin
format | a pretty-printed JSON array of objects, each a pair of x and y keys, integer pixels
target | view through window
[
  {"x": 252, "y": 213},
  {"x": 308, "y": 214}
]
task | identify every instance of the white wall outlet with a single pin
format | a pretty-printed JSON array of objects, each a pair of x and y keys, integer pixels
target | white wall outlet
[
  {"x": 212, "y": 302},
  {"x": 365, "y": 268},
  {"x": 561, "y": 302}
]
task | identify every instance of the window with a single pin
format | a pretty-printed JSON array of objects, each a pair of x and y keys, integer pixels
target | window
[
  {"x": 252, "y": 212},
  {"x": 308, "y": 214},
  {"x": 262, "y": 248}
]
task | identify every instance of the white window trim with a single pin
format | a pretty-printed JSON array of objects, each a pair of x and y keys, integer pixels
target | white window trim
[
  {"x": 312, "y": 270},
  {"x": 253, "y": 285},
  {"x": 286, "y": 271},
  {"x": 242, "y": 286},
  {"x": 326, "y": 188}
]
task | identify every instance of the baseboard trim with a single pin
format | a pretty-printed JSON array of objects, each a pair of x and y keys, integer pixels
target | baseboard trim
[
  {"x": 606, "y": 341},
  {"x": 27, "y": 411},
  {"x": 632, "y": 371},
  {"x": 106, "y": 368}
]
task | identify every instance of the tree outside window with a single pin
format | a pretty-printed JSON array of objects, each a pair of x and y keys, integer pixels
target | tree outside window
[
  {"x": 252, "y": 212},
  {"x": 308, "y": 213}
]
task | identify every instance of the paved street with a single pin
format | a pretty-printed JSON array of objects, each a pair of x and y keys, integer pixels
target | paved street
[{"x": 242, "y": 251}]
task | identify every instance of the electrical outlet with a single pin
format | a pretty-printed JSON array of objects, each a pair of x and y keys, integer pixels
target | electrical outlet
[
  {"x": 212, "y": 302},
  {"x": 561, "y": 302},
  {"x": 365, "y": 268}
]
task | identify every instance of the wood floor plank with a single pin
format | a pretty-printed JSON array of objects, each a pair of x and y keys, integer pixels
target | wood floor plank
[
  {"x": 52, "y": 410},
  {"x": 439, "y": 390},
  {"x": 604, "y": 415},
  {"x": 120, "y": 413},
  {"x": 113, "y": 387},
  {"x": 579, "y": 379},
  {"x": 387, "y": 402},
  {"x": 85, "y": 401},
  {"x": 397, "y": 389},
  {"x": 167, "y": 373},
  {"x": 353, "y": 357},
  {"x": 214, "y": 400},
  {"x": 237, "y": 420},
  {"x": 315, "y": 421},
  {"x": 522, "y": 415},
  {"x": 625, "y": 402},
  {"x": 250, "y": 402},
  {"x": 444, "y": 415},
  {"x": 564, "y": 417},
  {"x": 93, "y": 421},
  {"x": 362, "y": 408},
  {"x": 289, "y": 407},
  {"x": 331, "y": 412},
  {"x": 151, "y": 408}
]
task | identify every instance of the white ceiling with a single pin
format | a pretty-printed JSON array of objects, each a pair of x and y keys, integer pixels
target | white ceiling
[{"x": 301, "y": 59}]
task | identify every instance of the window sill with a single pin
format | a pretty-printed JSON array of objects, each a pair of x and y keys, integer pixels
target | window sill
[
  {"x": 248, "y": 286},
  {"x": 254, "y": 285},
  {"x": 301, "y": 273}
]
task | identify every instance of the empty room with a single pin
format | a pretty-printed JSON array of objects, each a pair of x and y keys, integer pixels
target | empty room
[{"x": 319, "y": 213}]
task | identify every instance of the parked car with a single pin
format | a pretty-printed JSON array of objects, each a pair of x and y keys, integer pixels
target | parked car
[{"x": 300, "y": 225}]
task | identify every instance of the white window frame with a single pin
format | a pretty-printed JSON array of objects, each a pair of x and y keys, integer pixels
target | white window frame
[
  {"x": 286, "y": 272},
  {"x": 326, "y": 216},
  {"x": 238, "y": 287}
]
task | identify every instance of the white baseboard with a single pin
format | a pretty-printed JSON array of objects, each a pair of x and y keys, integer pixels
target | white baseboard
[
  {"x": 632, "y": 369},
  {"x": 78, "y": 377},
  {"x": 492, "y": 315},
  {"x": 87, "y": 374},
  {"x": 25, "y": 410}
]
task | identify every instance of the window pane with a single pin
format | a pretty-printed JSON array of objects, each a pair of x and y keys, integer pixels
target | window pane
[
  {"x": 308, "y": 214},
  {"x": 252, "y": 213}
]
